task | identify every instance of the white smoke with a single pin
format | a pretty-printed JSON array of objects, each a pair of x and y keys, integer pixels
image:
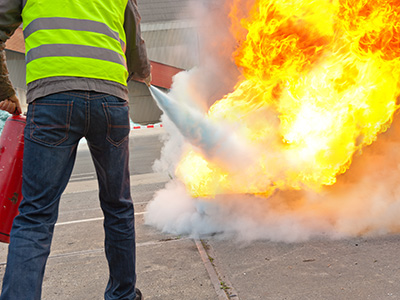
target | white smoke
[
  {"x": 364, "y": 201},
  {"x": 216, "y": 140}
]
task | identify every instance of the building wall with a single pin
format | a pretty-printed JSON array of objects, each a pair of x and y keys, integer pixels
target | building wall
[
  {"x": 174, "y": 43},
  {"x": 16, "y": 68},
  {"x": 169, "y": 28},
  {"x": 165, "y": 10},
  {"x": 142, "y": 108},
  {"x": 17, "y": 74}
]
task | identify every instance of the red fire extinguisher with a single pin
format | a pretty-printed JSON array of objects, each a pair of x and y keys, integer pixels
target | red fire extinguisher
[{"x": 11, "y": 155}]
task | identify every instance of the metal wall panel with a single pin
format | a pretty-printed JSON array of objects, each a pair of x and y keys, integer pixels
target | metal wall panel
[
  {"x": 16, "y": 68},
  {"x": 172, "y": 43},
  {"x": 163, "y": 10},
  {"x": 142, "y": 108}
]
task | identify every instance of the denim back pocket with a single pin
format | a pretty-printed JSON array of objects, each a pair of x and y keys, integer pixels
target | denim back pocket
[
  {"x": 118, "y": 124},
  {"x": 50, "y": 121}
]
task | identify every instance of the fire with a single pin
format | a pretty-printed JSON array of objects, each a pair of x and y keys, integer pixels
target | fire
[{"x": 319, "y": 82}]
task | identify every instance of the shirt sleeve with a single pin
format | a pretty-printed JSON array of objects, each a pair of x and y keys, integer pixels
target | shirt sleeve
[
  {"x": 10, "y": 19},
  {"x": 6, "y": 88},
  {"x": 136, "y": 55}
]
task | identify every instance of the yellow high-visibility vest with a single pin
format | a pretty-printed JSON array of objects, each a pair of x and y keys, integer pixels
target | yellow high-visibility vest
[{"x": 79, "y": 38}]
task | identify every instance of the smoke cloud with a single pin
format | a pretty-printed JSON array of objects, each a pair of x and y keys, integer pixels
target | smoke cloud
[{"x": 364, "y": 201}]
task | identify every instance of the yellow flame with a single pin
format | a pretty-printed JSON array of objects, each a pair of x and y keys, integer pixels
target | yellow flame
[{"x": 320, "y": 82}]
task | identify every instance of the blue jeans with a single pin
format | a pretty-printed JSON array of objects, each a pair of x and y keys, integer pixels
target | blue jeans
[{"x": 55, "y": 124}]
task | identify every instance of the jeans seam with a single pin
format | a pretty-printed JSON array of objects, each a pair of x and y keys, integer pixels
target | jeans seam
[
  {"x": 87, "y": 117},
  {"x": 82, "y": 95},
  {"x": 97, "y": 96},
  {"x": 67, "y": 125},
  {"x": 109, "y": 126}
]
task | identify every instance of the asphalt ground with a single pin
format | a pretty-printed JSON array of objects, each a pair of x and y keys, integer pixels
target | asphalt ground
[{"x": 181, "y": 268}]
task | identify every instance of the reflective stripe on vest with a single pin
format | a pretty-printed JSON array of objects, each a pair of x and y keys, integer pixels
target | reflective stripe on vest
[{"x": 81, "y": 43}]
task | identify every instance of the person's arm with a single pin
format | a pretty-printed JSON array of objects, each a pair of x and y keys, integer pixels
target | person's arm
[
  {"x": 10, "y": 19},
  {"x": 6, "y": 88},
  {"x": 137, "y": 62}
]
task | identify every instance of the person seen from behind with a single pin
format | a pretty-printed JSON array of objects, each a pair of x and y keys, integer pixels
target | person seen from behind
[{"x": 79, "y": 57}]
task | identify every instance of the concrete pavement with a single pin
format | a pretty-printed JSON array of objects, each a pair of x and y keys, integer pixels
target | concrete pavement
[{"x": 180, "y": 268}]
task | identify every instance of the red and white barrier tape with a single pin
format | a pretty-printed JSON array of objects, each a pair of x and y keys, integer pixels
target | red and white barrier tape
[{"x": 147, "y": 126}]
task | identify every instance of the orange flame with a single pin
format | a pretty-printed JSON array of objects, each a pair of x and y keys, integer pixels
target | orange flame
[{"x": 320, "y": 82}]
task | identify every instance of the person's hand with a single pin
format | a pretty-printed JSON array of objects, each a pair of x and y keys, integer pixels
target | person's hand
[
  {"x": 11, "y": 105},
  {"x": 147, "y": 80}
]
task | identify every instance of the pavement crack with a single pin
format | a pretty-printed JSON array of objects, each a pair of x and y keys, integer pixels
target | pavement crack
[{"x": 222, "y": 286}]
